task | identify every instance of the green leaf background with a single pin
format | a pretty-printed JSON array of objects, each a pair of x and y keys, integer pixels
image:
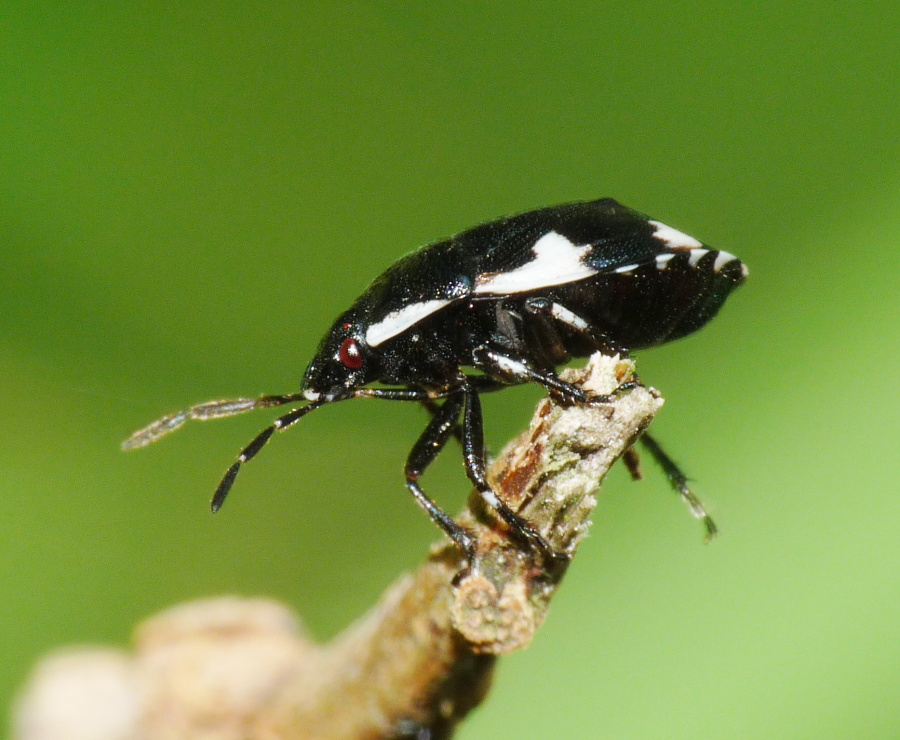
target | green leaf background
[{"x": 189, "y": 193}]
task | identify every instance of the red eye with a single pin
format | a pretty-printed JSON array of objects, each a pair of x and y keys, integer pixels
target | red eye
[{"x": 350, "y": 354}]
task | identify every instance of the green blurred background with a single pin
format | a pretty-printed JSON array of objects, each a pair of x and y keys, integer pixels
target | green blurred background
[{"x": 189, "y": 196}]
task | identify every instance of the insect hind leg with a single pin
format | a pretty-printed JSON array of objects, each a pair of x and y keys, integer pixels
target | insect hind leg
[{"x": 679, "y": 482}]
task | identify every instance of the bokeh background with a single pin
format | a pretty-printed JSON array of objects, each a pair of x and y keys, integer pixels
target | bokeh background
[{"x": 189, "y": 194}]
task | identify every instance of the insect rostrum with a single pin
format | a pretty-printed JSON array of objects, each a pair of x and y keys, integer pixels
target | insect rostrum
[{"x": 512, "y": 300}]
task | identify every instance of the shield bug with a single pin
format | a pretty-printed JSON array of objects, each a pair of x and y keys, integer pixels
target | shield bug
[{"x": 512, "y": 300}]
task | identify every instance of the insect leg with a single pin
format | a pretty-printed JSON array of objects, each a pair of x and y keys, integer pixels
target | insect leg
[
  {"x": 427, "y": 398},
  {"x": 551, "y": 309},
  {"x": 434, "y": 408},
  {"x": 250, "y": 451},
  {"x": 204, "y": 412},
  {"x": 444, "y": 422},
  {"x": 556, "y": 311},
  {"x": 500, "y": 364},
  {"x": 421, "y": 456},
  {"x": 482, "y": 383},
  {"x": 679, "y": 482},
  {"x": 473, "y": 453},
  {"x": 632, "y": 462}
]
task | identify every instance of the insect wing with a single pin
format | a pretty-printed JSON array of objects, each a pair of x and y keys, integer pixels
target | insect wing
[
  {"x": 638, "y": 281},
  {"x": 565, "y": 244},
  {"x": 650, "y": 283}
]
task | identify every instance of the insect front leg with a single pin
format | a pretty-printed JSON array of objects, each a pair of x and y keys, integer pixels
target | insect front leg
[
  {"x": 473, "y": 453},
  {"x": 482, "y": 383},
  {"x": 429, "y": 444}
]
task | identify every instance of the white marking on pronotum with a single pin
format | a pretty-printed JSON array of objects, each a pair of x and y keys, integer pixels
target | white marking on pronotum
[
  {"x": 556, "y": 261},
  {"x": 696, "y": 256},
  {"x": 662, "y": 260},
  {"x": 673, "y": 237},
  {"x": 396, "y": 322},
  {"x": 744, "y": 270},
  {"x": 567, "y": 317},
  {"x": 627, "y": 268},
  {"x": 722, "y": 259}
]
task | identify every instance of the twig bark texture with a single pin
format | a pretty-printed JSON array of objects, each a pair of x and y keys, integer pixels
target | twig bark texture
[{"x": 233, "y": 669}]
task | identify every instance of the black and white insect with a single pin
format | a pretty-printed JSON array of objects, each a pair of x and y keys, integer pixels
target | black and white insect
[{"x": 511, "y": 300}]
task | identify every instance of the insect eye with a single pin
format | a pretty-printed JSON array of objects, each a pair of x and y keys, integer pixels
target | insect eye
[{"x": 350, "y": 354}]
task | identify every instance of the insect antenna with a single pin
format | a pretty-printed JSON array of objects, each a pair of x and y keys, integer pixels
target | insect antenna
[
  {"x": 250, "y": 451},
  {"x": 204, "y": 412}
]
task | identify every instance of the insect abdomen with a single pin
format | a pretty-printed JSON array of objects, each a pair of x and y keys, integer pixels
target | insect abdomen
[{"x": 654, "y": 303}]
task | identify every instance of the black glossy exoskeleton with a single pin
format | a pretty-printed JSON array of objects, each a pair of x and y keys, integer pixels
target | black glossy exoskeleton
[{"x": 512, "y": 299}]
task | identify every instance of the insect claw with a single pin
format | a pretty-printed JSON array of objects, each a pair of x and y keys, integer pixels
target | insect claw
[
  {"x": 628, "y": 385},
  {"x": 699, "y": 511},
  {"x": 547, "y": 551},
  {"x": 711, "y": 529}
]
